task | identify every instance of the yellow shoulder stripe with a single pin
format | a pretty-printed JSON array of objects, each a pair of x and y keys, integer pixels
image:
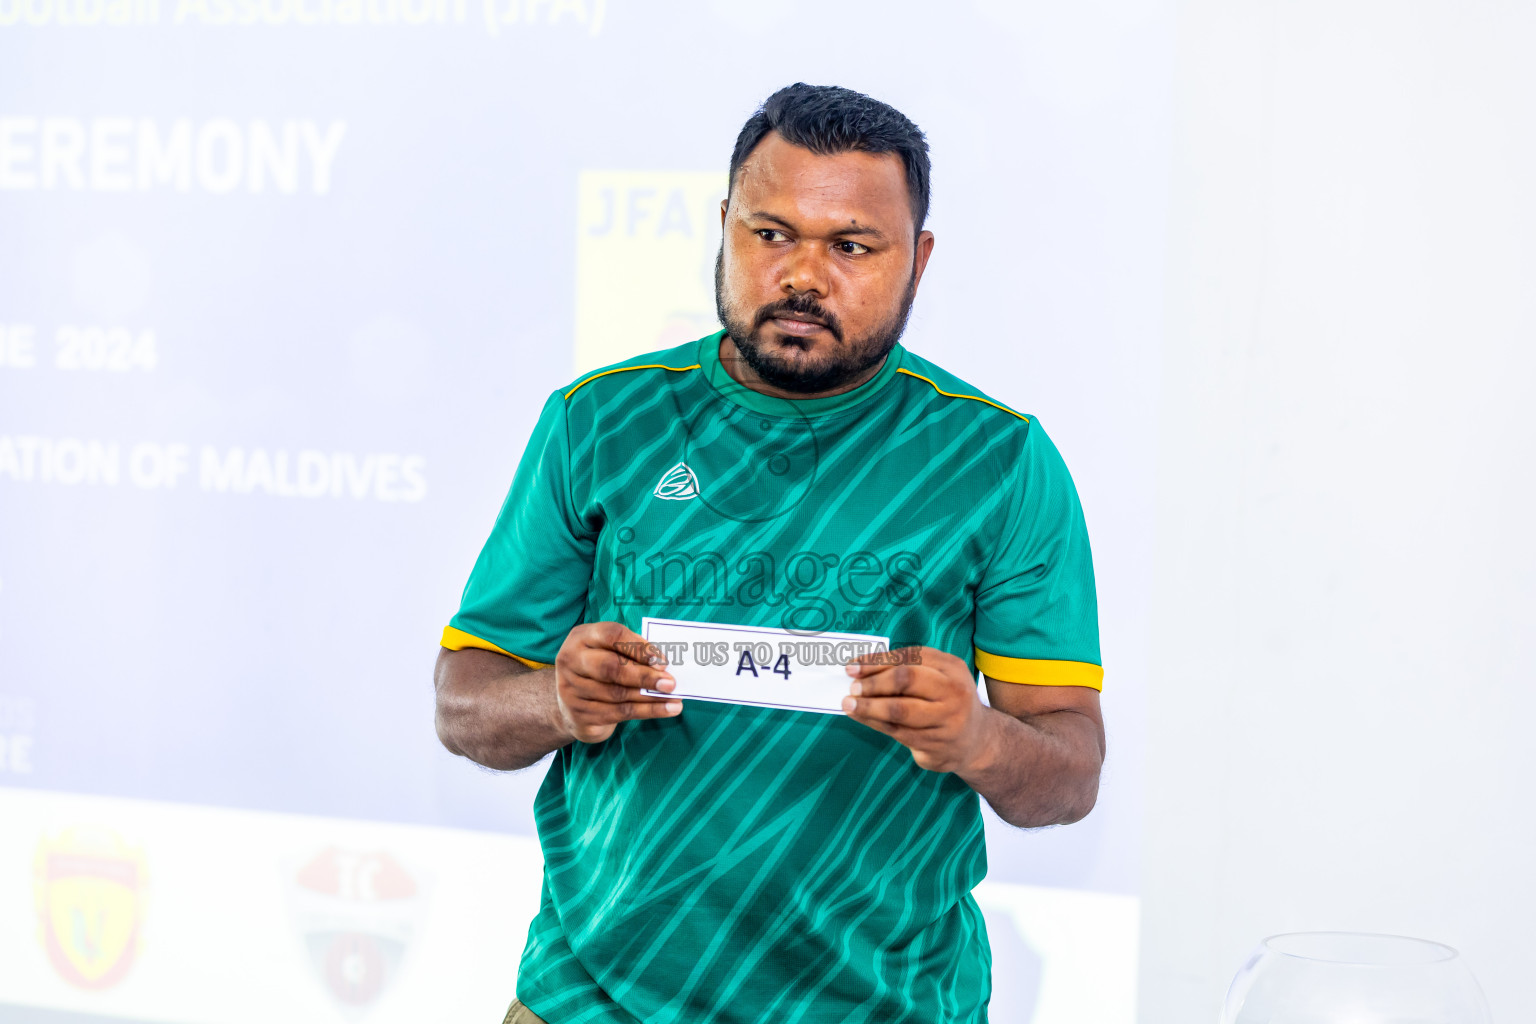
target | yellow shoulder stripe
[
  {"x": 1040, "y": 673},
  {"x": 620, "y": 369},
  {"x": 457, "y": 640},
  {"x": 951, "y": 394}
]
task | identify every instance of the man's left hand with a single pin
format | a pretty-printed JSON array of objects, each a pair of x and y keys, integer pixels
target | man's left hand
[{"x": 926, "y": 700}]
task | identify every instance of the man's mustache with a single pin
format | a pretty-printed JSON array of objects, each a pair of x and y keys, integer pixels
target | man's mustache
[{"x": 803, "y": 305}]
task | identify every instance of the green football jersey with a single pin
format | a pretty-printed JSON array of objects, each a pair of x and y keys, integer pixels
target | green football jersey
[{"x": 738, "y": 863}]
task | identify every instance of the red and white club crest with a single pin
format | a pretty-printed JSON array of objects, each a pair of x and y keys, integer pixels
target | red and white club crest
[{"x": 356, "y": 912}]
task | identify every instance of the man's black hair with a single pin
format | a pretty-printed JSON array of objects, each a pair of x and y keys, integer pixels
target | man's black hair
[{"x": 828, "y": 119}]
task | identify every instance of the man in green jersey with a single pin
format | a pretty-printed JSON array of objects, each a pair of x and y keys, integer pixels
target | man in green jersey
[{"x": 799, "y": 471}]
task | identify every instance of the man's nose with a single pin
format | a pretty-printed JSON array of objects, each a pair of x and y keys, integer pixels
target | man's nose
[{"x": 805, "y": 270}]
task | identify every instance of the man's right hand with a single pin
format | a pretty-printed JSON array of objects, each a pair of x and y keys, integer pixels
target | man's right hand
[{"x": 599, "y": 673}]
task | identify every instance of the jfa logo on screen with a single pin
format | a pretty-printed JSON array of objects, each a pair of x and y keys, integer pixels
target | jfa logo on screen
[{"x": 645, "y": 261}]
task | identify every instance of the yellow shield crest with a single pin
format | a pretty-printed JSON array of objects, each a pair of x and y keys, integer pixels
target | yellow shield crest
[{"x": 89, "y": 887}]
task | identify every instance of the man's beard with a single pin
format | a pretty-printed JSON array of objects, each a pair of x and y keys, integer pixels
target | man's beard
[{"x": 849, "y": 359}]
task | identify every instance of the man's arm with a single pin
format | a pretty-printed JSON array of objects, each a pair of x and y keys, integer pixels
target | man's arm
[
  {"x": 1035, "y": 755},
  {"x": 498, "y": 712},
  {"x": 1042, "y": 766},
  {"x": 495, "y": 710}
]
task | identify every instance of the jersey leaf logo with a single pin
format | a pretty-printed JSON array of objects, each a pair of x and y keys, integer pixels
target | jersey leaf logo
[{"x": 678, "y": 484}]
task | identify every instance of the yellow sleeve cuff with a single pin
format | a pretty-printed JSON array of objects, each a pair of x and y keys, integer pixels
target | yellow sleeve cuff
[
  {"x": 1040, "y": 673},
  {"x": 457, "y": 640}
]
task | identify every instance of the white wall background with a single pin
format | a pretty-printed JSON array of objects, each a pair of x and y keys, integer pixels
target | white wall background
[
  {"x": 1343, "y": 651},
  {"x": 1342, "y": 583}
]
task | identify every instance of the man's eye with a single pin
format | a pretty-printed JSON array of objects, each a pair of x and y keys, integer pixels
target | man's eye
[
  {"x": 772, "y": 235},
  {"x": 852, "y": 248}
]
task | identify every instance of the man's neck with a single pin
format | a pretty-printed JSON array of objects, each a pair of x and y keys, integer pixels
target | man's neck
[{"x": 742, "y": 373}]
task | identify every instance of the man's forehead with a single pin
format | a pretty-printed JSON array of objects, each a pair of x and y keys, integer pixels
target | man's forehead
[{"x": 855, "y": 184}]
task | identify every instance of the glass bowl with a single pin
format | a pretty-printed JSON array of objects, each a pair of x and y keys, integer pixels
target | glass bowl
[{"x": 1354, "y": 978}]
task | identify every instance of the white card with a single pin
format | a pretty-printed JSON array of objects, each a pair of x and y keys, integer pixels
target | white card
[{"x": 771, "y": 668}]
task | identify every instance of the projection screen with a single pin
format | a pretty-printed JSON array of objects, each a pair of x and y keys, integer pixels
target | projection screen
[{"x": 283, "y": 285}]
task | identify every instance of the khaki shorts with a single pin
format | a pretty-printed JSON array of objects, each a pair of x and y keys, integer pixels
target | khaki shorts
[{"x": 517, "y": 1013}]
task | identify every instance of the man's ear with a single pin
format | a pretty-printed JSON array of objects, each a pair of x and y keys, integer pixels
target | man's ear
[
  {"x": 920, "y": 257},
  {"x": 723, "y": 204}
]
